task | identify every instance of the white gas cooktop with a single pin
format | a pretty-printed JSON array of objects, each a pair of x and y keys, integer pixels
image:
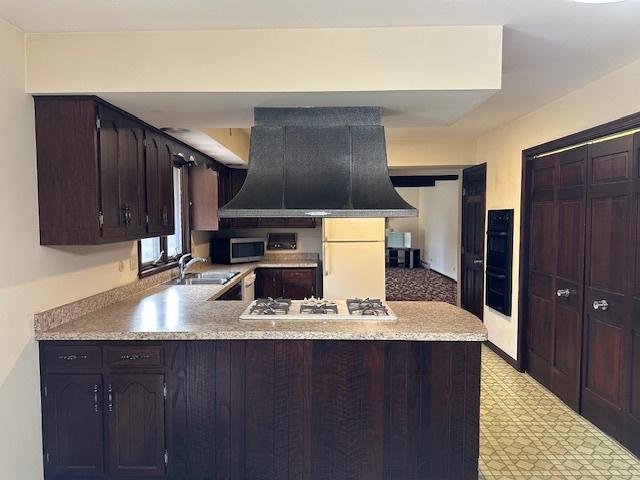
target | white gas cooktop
[{"x": 319, "y": 309}]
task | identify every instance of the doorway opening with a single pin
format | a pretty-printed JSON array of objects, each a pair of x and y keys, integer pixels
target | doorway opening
[{"x": 423, "y": 253}]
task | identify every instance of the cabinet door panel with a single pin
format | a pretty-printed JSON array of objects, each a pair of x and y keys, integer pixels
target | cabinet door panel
[
  {"x": 122, "y": 187},
  {"x": 131, "y": 174},
  {"x": 110, "y": 204},
  {"x": 203, "y": 183},
  {"x": 159, "y": 179},
  {"x": 268, "y": 283},
  {"x": 73, "y": 425},
  {"x": 298, "y": 283},
  {"x": 135, "y": 405}
]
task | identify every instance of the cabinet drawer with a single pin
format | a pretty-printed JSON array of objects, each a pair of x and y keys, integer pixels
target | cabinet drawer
[
  {"x": 141, "y": 356},
  {"x": 298, "y": 273},
  {"x": 73, "y": 358}
]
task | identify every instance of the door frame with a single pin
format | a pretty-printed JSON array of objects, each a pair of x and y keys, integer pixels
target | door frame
[
  {"x": 619, "y": 125},
  {"x": 482, "y": 167}
]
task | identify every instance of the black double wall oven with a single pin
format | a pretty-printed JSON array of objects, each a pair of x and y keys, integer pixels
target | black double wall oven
[{"x": 499, "y": 260}]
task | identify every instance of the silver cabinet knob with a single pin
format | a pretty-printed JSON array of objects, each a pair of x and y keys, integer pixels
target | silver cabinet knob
[
  {"x": 563, "y": 292},
  {"x": 600, "y": 305}
]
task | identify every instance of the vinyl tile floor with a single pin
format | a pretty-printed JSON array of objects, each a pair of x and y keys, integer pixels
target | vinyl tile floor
[{"x": 528, "y": 433}]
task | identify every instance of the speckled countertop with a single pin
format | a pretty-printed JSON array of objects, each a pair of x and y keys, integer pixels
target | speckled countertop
[
  {"x": 177, "y": 312},
  {"x": 185, "y": 313}
]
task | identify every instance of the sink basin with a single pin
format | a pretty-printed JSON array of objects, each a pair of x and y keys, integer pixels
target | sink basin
[{"x": 205, "y": 278}]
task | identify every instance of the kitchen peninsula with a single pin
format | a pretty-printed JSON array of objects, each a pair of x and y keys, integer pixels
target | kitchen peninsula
[{"x": 168, "y": 384}]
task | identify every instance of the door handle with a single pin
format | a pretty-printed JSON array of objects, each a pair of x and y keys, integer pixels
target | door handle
[
  {"x": 600, "y": 305},
  {"x": 563, "y": 292},
  {"x": 325, "y": 247}
]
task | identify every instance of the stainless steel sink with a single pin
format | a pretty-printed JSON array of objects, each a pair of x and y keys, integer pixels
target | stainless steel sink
[{"x": 205, "y": 278}]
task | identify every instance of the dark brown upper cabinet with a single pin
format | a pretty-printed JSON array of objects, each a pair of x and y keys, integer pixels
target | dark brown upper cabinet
[
  {"x": 203, "y": 183},
  {"x": 103, "y": 175},
  {"x": 160, "y": 153},
  {"x": 121, "y": 169}
]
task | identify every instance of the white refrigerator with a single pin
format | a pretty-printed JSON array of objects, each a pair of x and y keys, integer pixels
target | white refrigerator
[{"x": 353, "y": 257}]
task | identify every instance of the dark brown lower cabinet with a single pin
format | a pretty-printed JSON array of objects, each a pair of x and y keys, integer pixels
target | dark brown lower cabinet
[
  {"x": 291, "y": 283},
  {"x": 135, "y": 433},
  {"x": 267, "y": 410},
  {"x": 72, "y": 407}
]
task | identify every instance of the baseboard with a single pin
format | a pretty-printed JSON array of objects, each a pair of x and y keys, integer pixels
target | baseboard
[
  {"x": 507, "y": 358},
  {"x": 440, "y": 273}
]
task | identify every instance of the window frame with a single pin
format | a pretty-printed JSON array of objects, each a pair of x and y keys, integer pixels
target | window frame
[{"x": 147, "y": 269}]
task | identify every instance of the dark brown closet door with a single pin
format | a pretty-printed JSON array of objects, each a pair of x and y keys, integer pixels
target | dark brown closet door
[
  {"x": 541, "y": 268},
  {"x": 569, "y": 278},
  {"x": 556, "y": 272},
  {"x": 634, "y": 338},
  {"x": 608, "y": 289}
]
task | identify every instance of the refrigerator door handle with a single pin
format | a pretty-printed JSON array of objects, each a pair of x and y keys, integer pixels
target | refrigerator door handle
[{"x": 326, "y": 258}]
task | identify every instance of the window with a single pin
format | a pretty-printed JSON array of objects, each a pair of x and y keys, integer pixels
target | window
[{"x": 159, "y": 253}]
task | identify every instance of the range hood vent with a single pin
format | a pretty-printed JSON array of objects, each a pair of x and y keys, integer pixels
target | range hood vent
[{"x": 317, "y": 162}]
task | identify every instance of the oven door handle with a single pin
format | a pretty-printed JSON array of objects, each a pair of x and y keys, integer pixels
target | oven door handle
[{"x": 496, "y": 275}]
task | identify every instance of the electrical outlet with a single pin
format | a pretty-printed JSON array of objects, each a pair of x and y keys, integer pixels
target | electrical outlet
[{"x": 121, "y": 266}]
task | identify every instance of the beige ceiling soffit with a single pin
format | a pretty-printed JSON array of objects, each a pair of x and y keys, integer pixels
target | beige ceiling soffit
[{"x": 282, "y": 60}]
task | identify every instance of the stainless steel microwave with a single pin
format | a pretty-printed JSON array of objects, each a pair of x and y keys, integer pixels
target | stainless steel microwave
[{"x": 236, "y": 250}]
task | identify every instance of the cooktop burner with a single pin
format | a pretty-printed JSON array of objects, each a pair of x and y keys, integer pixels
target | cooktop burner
[
  {"x": 318, "y": 306},
  {"x": 318, "y": 309},
  {"x": 270, "y": 306},
  {"x": 368, "y": 306}
]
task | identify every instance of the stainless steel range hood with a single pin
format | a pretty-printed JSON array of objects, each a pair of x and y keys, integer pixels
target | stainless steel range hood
[{"x": 317, "y": 162}]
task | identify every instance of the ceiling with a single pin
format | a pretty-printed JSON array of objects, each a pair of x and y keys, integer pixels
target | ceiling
[
  {"x": 551, "y": 47},
  {"x": 400, "y": 108}
]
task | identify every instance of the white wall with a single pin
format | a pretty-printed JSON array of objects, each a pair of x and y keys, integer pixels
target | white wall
[
  {"x": 34, "y": 278},
  {"x": 433, "y": 149},
  {"x": 440, "y": 223},
  {"x": 409, "y": 224},
  {"x": 609, "y": 98},
  {"x": 309, "y": 239},
  {"x": 436, "y": 229}
]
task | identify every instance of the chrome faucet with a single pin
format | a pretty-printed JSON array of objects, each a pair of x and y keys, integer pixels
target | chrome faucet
[{"x": 185, "y": 265}]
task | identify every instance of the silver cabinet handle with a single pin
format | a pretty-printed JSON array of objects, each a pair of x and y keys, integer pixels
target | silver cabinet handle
[
  {"x": 477, "y": 262},
  {"x": 135, "y": 357},
  {"x": 600, "y": 305},
  {"x": 110, "y": 406},
  {"x": 563, "y": 292},
  {"x": 72, "y": 357},
  {"x": 95, "y": 397}
]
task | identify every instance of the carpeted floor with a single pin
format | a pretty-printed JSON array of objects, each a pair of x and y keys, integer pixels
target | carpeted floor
[{"x": 419, "y": 284}]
